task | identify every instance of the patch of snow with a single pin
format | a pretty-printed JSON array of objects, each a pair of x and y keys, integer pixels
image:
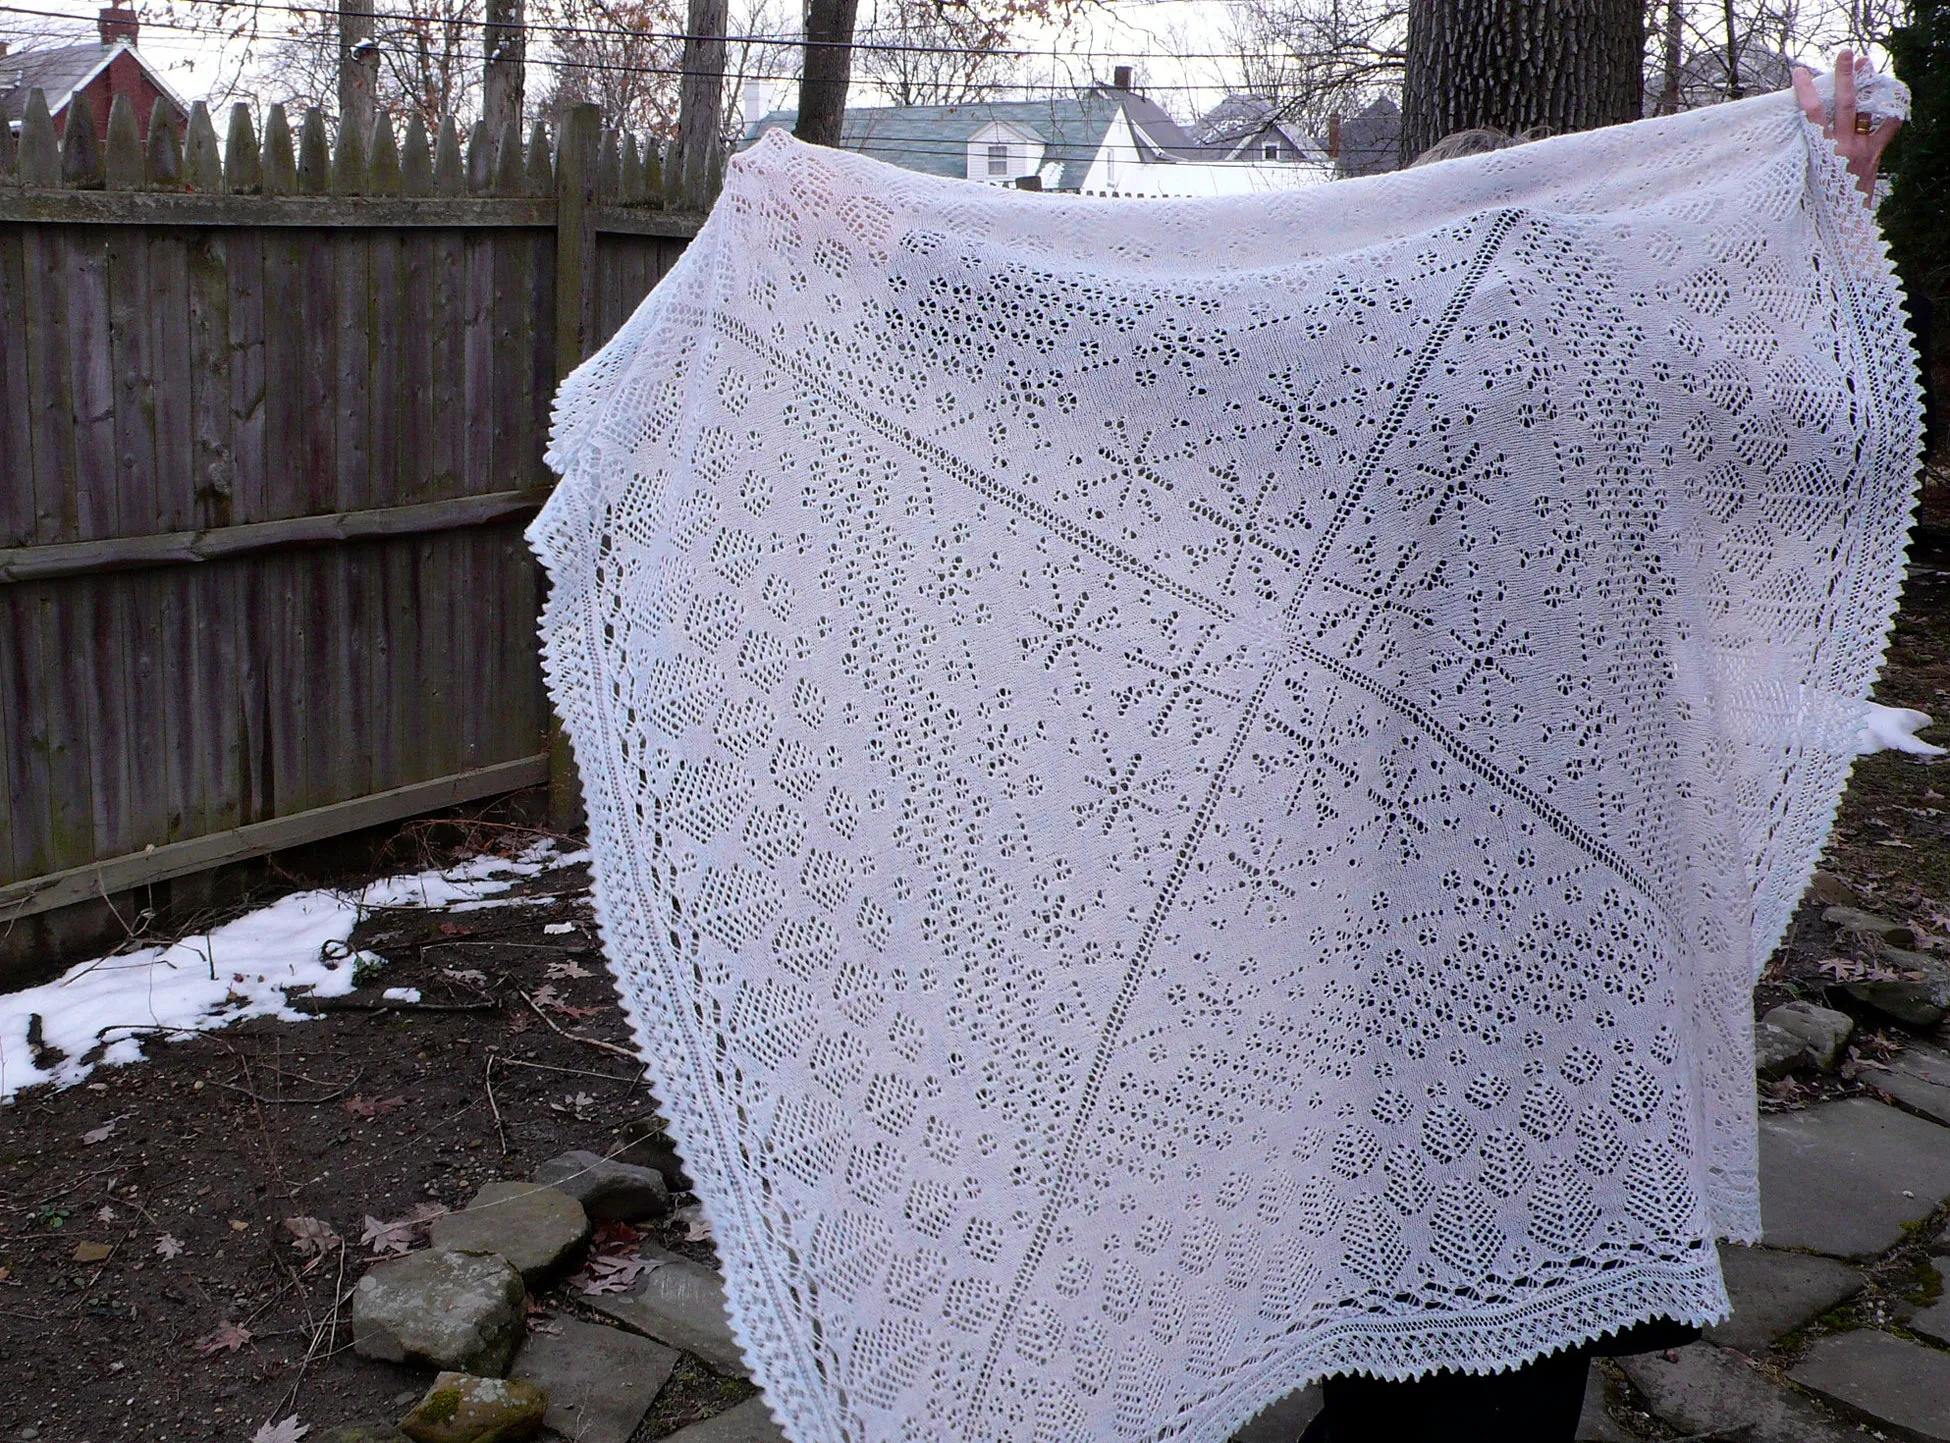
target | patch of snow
[
  {"x": 400, "y": 994},
  {"x": 101, "y": 1010}
]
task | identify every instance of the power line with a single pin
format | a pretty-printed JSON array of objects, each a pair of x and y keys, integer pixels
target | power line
[{"x": 678, "y": 36}]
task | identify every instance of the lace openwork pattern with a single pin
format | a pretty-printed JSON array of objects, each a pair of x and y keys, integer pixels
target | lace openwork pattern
[{"x": 1187, "y": 795}]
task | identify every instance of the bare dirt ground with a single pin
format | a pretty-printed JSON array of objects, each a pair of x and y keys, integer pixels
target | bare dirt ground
[
  {"x": 152, "y": 1287},
  {"x": 209, "y": 1315}
]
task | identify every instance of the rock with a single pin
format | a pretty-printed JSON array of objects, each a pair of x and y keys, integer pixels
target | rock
[
  {"x": 1919, "y": 1078},
  {"x": 382, "y": 1431},
  {"x": 680, "y": 1303},
  {"x": 461, "y": 1408},
  {"x": 1283, "y": 1420},
  {"x": 1777, "y": 1052},
  {"x": 647, "y": 1143},
  {"x": 1854, "y": 919},
  {"x": 1889, "y": 1381},
  {"x": 441, "y": 1310},
  {"x": 607, "y": 1189},
  {"x": 600, "y": 1381},
  {"x": 1829, "y": 890},
  {"x": 1775, "y": 1292},
  {"x": 1824, "y": 1031},
  {"x": 1933, "y": 1322},
  {"x": 750, "y": 1422},
  {"x": 537, "y": 1229},
  {"x": 1918, "y": 1005},
  {"x": 1833, "y": 1179},
  {"x": 1712, "y": 1393}
]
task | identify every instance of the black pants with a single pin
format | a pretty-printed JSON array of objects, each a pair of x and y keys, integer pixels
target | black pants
[{"x": 1537, "y": 1403}]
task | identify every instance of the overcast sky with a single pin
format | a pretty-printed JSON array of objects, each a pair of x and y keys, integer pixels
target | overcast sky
[{"x": 1176, "y": 47}]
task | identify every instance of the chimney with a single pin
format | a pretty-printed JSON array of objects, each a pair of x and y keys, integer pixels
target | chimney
[
  {"x": 1120, "y": 78},
  {"x": 1029, "y": 182},
  {"x": 116, "y": 24},
  {"x": 3, "y": 50},
  {"x": 1333, "y": 137}
]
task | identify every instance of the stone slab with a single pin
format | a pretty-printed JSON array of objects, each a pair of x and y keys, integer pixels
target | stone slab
[
  {"x": 1900, "y": 1386},
  {"x": 1595, "y": 1423},
  {"x": 1283, "y": 1420},
  {"x": 1918, "y": 1077},
  {"x": 681, "y": 1303},
  {"x": 600, "y": 1381},
  {"x": 1933, "y": 1322},
  {"x": 537, "y": 1229},
  {"x": 1833, "y": 1179},
  {"x": 1711, "y": 1391},
  {"x": 750, "y": 1422},
  {"x": 1775, "y": 1292},
  {"x": 444, "y": 1310}
]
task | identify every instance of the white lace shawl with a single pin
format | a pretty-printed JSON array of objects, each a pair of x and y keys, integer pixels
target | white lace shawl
[{"x": 1188, "y": 794}]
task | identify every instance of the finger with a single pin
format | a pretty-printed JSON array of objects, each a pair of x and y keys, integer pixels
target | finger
[
  {"x": 1845, "y": 93},
  {"x": 1880, "y": 137},
  {"x": 1805, "y": 95}
]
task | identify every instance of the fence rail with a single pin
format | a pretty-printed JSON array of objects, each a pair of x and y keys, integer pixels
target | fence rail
[{"x": 271, "y": 419}]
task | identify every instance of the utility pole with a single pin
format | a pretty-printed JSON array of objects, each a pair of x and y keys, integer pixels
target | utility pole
[
  {"x": 505, "y": 43},
  {"x": 700, "y": 106},
  {"x": 358, "y": 66},
  {"x": 828, "y": 69}
]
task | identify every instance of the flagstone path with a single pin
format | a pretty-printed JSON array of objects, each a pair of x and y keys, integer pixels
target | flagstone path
[{"x": 1838, "y": 1331}]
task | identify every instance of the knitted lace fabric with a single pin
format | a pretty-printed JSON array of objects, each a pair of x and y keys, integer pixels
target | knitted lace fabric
[{"x": 1188, "y": 794}]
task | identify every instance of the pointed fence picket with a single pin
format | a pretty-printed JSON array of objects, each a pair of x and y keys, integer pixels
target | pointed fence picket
[{"x": 275, "y": 397}]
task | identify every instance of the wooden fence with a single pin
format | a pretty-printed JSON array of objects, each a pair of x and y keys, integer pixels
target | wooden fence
[{"x": 271, "y": 421}]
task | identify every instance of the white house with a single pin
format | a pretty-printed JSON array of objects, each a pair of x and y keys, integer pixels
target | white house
[{"x": 1106, "y": 140}]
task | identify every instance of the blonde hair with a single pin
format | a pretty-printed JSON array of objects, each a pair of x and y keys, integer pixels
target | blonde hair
[{"x": 1480, "y": 141}]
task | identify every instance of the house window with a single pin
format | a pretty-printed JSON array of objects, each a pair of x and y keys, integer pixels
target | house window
[
  {"x": 998, "y": 160},
  {"x": 1272, "y": 152}
]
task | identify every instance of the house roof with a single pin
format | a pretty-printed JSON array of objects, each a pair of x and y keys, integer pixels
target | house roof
[
  {"x": 61, "y": 70},
  {"x": 934, "y": 138},
  {"x": 1371, "y": 140}
]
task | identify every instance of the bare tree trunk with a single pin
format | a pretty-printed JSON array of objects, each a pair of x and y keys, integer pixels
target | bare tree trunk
[
  {"x": 700, "y": 106},
  {"x": 1674, "y": 57},
  {"x": 505, "y": 44},
  {"x": 1734, "y": 91},
  {"x": 1518, "y": 64},
  {"x": 358, "y": 65},
  {"x": 828, "y": 68}
]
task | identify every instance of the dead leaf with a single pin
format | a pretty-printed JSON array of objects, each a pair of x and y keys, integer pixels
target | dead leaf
[
  {"x": 106, "y": 1214},
  {"x": 566, "y": 969},
  {"x": 100, "y": 1134},
  {"x": 92, "y": 1252},
  {"x": 546, "y": 996},
  {"x": 399, "y": 1236},
  {"x": 167, "y": 1248},
  {"x": 1842, "y": 969},
  {"x": 614, "y": 1274},
  {"x": 312, "y": 1238},
  {"x": 576, "y": 1103},
  {"x": 467, "y": 976},
  {"x": 227, "y": 1338},
  {"x": 289, "y": 1431},
  {"x": 697, "y": 1228}
]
